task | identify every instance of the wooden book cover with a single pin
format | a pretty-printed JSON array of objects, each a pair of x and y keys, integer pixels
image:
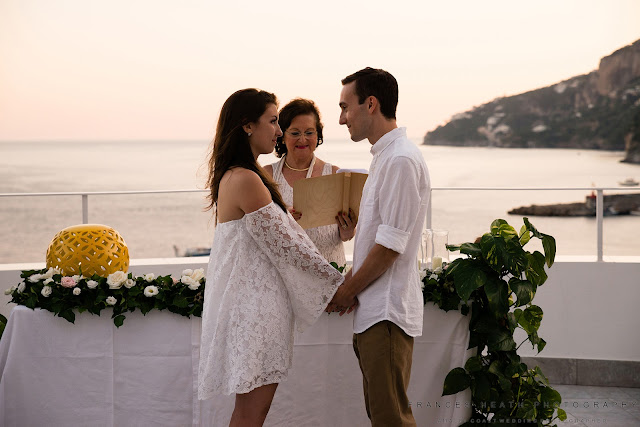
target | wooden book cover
[{"x": 321, "y": 198}]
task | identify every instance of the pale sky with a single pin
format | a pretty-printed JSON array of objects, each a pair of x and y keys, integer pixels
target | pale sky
[{"x": 155, "y": 69}]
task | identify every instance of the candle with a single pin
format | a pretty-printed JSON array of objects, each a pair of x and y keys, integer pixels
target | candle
[{"x": 436, "y": 263}]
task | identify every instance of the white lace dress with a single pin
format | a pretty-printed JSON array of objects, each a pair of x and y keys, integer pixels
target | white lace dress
[
  {"x": 264, "y": 276},
  {"x": 327, "y": 237}
]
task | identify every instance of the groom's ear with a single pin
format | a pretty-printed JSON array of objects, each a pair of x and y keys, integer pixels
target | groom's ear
[{"x": 372, "y": 104}]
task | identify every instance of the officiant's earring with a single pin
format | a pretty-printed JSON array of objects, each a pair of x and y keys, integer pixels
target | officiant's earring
[{"x": 248, "y": 133}]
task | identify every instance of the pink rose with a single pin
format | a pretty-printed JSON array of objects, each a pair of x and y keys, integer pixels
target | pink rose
[{"x": 68, "y": 282}]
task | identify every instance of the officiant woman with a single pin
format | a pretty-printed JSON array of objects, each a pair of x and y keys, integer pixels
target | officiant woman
[{"x": 302, "y": 134}]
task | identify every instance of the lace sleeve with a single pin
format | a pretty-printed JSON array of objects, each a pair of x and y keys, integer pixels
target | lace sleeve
[{"x": 309, "y": 279}]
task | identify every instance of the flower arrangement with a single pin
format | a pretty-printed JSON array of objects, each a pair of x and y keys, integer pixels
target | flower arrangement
[{"x": 50, "y": 290}]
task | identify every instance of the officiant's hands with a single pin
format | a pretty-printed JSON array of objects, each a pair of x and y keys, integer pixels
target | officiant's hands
[
  {"x": 295, "y": 214},
  {"x": 346, "y": 224}
]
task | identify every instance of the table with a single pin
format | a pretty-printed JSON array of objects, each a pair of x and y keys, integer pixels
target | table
[{"x": 144, "y": 373}]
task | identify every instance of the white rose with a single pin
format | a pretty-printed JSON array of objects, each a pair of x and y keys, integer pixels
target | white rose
[
  {"x": 77, "y": 277},
  {"x": 190, "y": 281},
  {"x": 117, "y": 279},
  {"x": 92, "y": 284},
  {"x": 197, "y": 275},
  {"x": 149, "y": 277},
  {"x": 111, "y": 300},
  {"x": 49, "y": 274},
  {"x": 46, "y": 291},
  {"x": 35, "y": 278},
  {"x": 423, "y": 274},
  {"x": 10, "y": 290},
  {"x": 76, "y": 291},
  {"x": 187, "y": 280},
  {"x": 438, "y": 270},
  {"x": 150, "y": 291},
  {"x": 187, "y": 272},
  {"x": 21, "y": 287},
  {"x": 433, "y": 276},
  {"x": 130, "y": 283},
  {"x": 49, "y": 280}
]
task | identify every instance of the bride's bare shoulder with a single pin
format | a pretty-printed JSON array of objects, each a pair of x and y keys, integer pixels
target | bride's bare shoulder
[
  {"x": 239, "y": 177},
  {"x": 245, "y": 189}
]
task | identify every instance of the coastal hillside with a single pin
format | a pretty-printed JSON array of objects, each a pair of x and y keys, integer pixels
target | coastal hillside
[{"x": 599, "y": 110}]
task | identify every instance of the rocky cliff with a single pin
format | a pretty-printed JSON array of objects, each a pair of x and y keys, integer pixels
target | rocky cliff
[{"x": 599, "y": 110}]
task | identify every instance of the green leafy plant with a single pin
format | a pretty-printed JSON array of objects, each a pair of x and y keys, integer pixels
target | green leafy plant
[
  {"x": 439, "y": 289},
  {"x": 498, "y": 278},
  {"x": 64, "y": 295}
]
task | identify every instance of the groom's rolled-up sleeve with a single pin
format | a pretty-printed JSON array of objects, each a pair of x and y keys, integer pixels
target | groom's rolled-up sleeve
[{"x": 399, "y": 204}]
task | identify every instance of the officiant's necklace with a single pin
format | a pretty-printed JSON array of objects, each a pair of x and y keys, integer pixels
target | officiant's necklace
[{"x": 297, "y": 170}]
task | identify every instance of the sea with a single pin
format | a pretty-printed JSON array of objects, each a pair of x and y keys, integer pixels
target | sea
[{"x": 165, "y": 225}]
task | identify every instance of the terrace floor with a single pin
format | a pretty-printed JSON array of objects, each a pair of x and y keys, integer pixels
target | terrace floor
[{"x": 591, "y": 405}]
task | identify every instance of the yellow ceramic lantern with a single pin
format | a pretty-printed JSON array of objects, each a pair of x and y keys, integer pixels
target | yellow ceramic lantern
[{"x": 92, "y": 248}]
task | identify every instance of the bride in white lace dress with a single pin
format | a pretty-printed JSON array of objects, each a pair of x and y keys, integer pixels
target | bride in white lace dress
[
  {"x": 264, "y": 274},
  {"x": 302, "y": 134}
]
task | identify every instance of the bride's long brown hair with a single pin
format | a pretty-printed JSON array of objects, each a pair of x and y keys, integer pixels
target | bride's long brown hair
[{"x": 231, "y": 147}]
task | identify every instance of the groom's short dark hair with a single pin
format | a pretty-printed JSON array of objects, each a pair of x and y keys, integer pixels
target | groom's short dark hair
[{"x": 378, "y": 83}]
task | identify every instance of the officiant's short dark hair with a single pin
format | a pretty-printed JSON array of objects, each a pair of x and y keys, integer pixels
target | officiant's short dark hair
[
  {"x": 378, "y": 83},
  {"x": 297, "y": 107}
]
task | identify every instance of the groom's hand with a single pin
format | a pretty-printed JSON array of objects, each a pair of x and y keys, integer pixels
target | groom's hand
[{"x": 343, "y": 301}]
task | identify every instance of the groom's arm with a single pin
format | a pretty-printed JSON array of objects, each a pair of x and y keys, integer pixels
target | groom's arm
[
  {"x": 399, "y": 204},
  {"x": 379, "y": 260}
]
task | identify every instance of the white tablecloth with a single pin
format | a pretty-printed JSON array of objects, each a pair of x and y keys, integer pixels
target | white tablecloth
[{"x": 54, "y": 373}]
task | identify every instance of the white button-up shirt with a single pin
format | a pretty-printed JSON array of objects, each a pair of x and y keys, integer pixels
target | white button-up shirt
[{"x": 392, "y": 213}]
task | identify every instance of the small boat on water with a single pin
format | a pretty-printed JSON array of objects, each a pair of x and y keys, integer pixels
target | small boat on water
[
  {"x": 629, "y": 182},
  {"x": 196, "y": 251}
]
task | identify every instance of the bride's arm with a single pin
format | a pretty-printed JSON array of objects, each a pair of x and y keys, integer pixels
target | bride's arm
[{"x": 310, "y": 280}]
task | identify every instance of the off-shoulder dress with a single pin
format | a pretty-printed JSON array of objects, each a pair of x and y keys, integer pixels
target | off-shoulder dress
[{"x": 264, "y": 276}]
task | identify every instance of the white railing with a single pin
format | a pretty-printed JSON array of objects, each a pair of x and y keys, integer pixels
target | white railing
[
  {"x": 599, "y": 191},
  {"x": 599, "y": 203},
  {"x": 85, "y": 196}
]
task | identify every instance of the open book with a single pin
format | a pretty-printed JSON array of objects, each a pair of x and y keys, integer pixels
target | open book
[{"x": 321, "y": 198}]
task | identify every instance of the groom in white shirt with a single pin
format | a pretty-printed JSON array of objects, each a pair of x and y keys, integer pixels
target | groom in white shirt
[{"x": 384, "y": 279}]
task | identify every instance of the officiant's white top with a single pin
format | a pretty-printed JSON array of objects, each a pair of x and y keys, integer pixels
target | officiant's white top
[
  {"x": 392, "y": 213},
  {"x": 326, "y": 237},
  {"x": 264, "y": 275}
]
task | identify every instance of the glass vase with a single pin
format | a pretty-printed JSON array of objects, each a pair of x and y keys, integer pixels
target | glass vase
[{"x": 434, "y": 248}]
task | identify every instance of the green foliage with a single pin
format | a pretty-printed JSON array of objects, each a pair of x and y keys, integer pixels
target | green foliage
[
  {"x": 126, "y": 293},
  {"x": 498, "y": 279},
  {"x": 337, "y": 267},
  {"x": 439, "y": 289},
  {"x": 3, "y": 323}
]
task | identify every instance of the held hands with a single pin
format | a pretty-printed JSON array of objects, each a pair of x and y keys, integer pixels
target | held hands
[
  {"x": 346, "y": 225},
  {"x": 342, "y": 302}
]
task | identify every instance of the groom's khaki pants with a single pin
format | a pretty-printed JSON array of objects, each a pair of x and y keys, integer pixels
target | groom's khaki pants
[{"x": 384, "y": 352}]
